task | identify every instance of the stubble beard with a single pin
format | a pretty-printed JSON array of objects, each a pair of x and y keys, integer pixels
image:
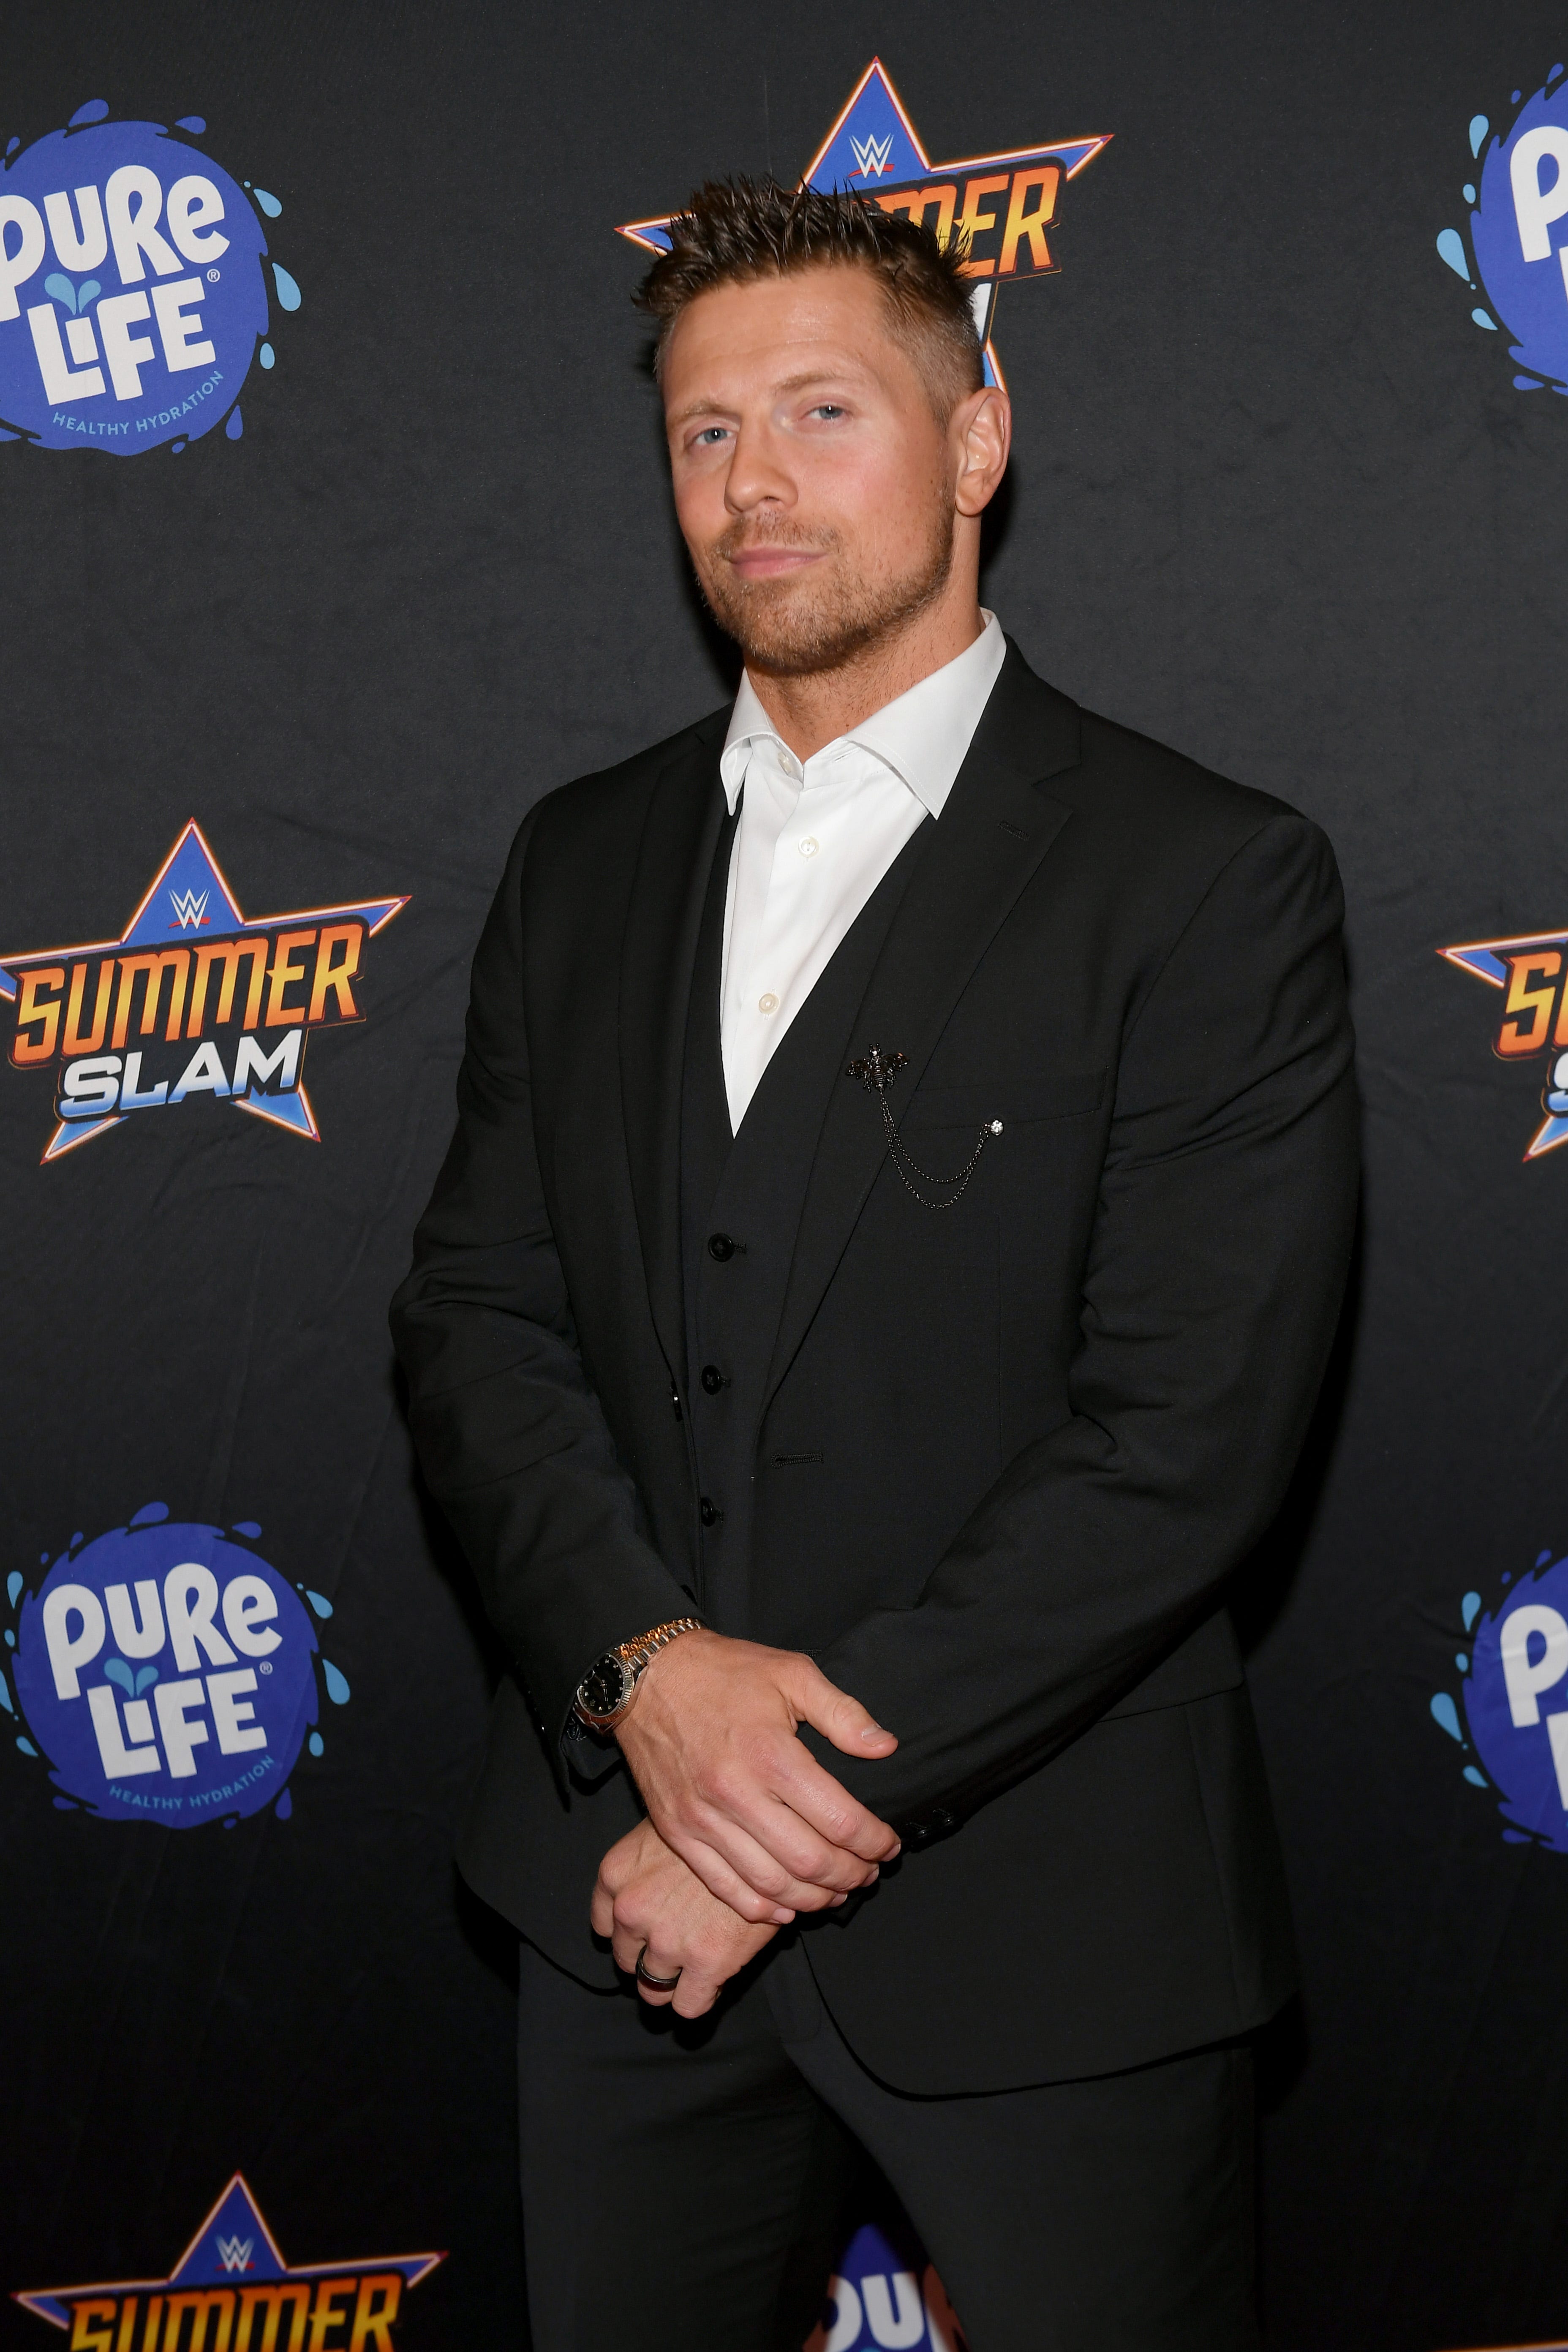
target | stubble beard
[{"x": 799, "y": 625}]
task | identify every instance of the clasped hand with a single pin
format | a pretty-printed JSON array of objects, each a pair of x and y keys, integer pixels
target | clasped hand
[{"x": 744, "y": 1829}]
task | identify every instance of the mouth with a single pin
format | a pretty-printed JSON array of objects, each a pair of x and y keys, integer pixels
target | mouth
[{"x": 772, "y": 562}]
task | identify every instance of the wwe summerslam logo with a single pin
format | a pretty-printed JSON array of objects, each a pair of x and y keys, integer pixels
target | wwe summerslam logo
[
  {"x": 1004, "y": 206},
  {"x": 1530, "y": 972},
  {"x": 231, "y": 2291},
  {"x": 192, "y": 1002}
]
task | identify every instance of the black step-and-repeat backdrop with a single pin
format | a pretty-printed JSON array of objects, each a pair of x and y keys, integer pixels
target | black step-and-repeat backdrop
[{"x": 335, "y": 533}]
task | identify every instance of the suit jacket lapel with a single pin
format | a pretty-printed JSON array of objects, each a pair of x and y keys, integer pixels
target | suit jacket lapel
[
  {"x": 997, "y": 827},
  {"x": 680, "y": 830}
]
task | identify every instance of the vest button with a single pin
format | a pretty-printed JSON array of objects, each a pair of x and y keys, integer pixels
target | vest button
[
  {"x": 712, "y": 1379},
  {"x": 708, "y": 1511},
  {"x": 720, "y": 1246}
]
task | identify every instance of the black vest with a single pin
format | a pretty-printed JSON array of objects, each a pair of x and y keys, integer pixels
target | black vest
[{"x": 740, "y": 1203}]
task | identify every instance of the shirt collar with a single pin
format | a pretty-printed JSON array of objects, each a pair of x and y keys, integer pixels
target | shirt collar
[{"x": 922, "y": 736}]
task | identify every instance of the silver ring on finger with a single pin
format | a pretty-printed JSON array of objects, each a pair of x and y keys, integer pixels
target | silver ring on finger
[{"x": 655, "y": 1984}]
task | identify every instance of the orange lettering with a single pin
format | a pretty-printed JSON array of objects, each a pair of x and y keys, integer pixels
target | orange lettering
[
  {"x": 254, "y": 2298},
  {"x": 1524, "y": 999},
  {"x": 176, "y": 962},
  {"x": 41, "y": 1047},
  {"x": 201, "y": 2303},
  {"x": 74, "y": 1042},
  {"x": 326, "y": 2313},
  {"x": 284, "y": 973},
  {"x": 228, "y": 952},
  {"x": 332, "y": 977},
  {"x": 974, "y": 223},
  {"x": 92, "y": 2339},
  {"x": 375, "y": 2327},
  {"x": 916, "y": 205},
  {"x": 1046, "y": 178}
]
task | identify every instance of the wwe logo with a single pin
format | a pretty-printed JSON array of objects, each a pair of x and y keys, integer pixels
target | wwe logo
[
  {"x": 872, "y": 156},
  {"x": 234, "y": 2253},
  {"x": 190, "y": 910}
]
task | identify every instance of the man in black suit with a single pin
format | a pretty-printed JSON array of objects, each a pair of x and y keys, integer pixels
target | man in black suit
[{"x": 896, "y": 1224}]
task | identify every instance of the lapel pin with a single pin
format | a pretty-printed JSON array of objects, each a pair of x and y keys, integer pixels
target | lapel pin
[{"x": 876, "y": 1071}]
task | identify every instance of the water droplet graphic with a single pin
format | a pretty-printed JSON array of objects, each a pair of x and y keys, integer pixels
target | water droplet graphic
[
  {"x": 87, "y": 292},
  {"x": 14, "y": 1586},
  {"x": 1451, "y": 245},
  {"x": 317, "y": 1744},
  {"x": 269, "y": 205},
  {"x": 196, "y": 123},
  {"x": 267, "y": 355},
  {"x": 145, "y": 1679},
  {"x": 284, "y": 1806},
  {"x": 93, "y": 111},
  {"x": 1446, "y": 1713},
  {"x": 1484, "y": 318},
  {"x": 12, "y": 145},
  {"x": 1552, "y": 74},
  {"x": 1475, "y": 1776},
  {"x": 1543, "y": 1556},
  {"x": 6, "y": 1698},
  {"x": 1468, "y": 193},
  {"x": 1507, "y": 1576},
  {"x": 1470, "y": 1609},
  {"x": 175, "y": 448},
  {"x": 115, "y": 1670},
  {"x": 66, "y": 1805},
  {"x": 1462, "y": 1662},
  {"x": 1528, "y": 383},
  {"x": 1515, "y": 1837},
  {"x": 246, "y": 1528},
  {"x": 74, "y": 1541},
  {"x": 62, "y": 290},
  {"x": 27, "y": 1747},
  {"x": 1479, "y": 126},
  {"x": 232, "y": 1823},
  {"x": 320, "y": 1603},
  {"x": 10, "y": 1639},
  {"x": 150, "y": 1515},
  {"x": 235, "y": 424},
  {"x": 1517, "y": 95},
  {"x": 44, "y": 1557},
  {"x": 337, "y": 1685},
  {"x": 287, "y": 291}
]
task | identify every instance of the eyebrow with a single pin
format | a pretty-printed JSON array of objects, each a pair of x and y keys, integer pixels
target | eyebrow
[{"x": 801, "y": 382}]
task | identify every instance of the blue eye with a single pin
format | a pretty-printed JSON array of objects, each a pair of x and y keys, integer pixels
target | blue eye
[
  {"x": 827, "y": 408},
  {"x": 710, "y": 434}
]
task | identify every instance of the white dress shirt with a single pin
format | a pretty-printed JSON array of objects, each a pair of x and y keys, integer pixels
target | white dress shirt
[{"x": 813, "y": 842}]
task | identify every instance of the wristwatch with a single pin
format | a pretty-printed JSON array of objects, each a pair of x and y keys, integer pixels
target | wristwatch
[{"x": 606, "y": 1693}]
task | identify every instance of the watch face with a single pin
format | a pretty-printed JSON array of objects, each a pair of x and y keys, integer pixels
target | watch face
[{"x": 603, "y": 1688}]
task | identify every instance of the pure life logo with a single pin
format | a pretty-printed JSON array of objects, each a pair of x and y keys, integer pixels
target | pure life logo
[
  {"x": 1518, "y": 247},
  {"x": 133, "y": 299}
]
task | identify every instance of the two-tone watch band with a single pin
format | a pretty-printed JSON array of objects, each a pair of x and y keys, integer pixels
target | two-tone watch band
[{"x": 606, "y": 1693}]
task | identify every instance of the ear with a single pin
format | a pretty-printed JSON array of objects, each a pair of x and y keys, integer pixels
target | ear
[{"x": 980, "y": 433}]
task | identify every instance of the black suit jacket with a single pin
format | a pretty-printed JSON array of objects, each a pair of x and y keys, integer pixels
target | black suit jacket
[{"x": 1004, "y": 1458}]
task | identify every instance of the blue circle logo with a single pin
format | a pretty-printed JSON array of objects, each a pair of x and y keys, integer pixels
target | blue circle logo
[
  {"x": 1518, "y": 247},
  {"x": 132, "y": 298},
  {"x": 1516, "y": 1704},
  {"x": 167, "y": 1674}
]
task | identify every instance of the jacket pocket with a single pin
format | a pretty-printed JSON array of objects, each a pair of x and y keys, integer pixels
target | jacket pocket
[{"x": 1024, "y": 1101}]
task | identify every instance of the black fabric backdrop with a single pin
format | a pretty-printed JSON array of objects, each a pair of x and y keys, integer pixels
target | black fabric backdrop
[{"x": 1276, "y": 502}]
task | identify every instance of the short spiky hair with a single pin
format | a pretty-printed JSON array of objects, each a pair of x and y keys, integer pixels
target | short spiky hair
[{"x": 736, "y": 231}]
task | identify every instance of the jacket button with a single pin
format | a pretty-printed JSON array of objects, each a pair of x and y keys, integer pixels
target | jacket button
[
  {"x": 917, "y": 1834},
  {"x": 941, "y": 1819},
  {"x": 708, "y": 1511},
  {"x": 712, "y": 1379},
  {"x": 721, "y": 1247}
]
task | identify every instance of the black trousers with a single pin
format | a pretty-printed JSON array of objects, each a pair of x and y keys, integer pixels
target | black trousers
[{"x": 683, "y": 2182}]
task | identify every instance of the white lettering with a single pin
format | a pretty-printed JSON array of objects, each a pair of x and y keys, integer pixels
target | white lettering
[
  {"x": 118, "y": 1759},
  {"x": 905, "y": 2327},
  {"x": 1525, "y": 1682},
  {"x": 138, "y": 1633},
  {"x": 1557, "y": 1732},
  {"x": 1536, "y": 209},
  {"x": 65, "y": 1656},
  {"x": 134, "y": 229},
  {"x": 234, "y": 1716},
  {"x": 73, "y": 252},
  {"x": 190, "y": 1596},
  {"x": 17, "y": 266},
  {"x": 252, "y": 1069},
  {"x": 92, "y": 1087},
  {"x": 127, "y": 354},
  {"x": 180, "y": 1737},
  {"x": 131, "y": 1095},
  {"x": 203, "y": 1072},
  {"x": 61, "y": 381},
  {"x": 179, "y": 351},
  {"x": 249, "y": 1602},
  {"x": 845, "y": 2332},
  {"x": 192, "y": 202}
]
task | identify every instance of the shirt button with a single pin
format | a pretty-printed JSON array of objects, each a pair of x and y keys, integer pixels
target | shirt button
[
  {"x": 768, "y": 1004},
  {"x": 708, "y": 1511},
  {"x": 712, "y": 1379},
  {"x": 810, "y": 846},
  {"x": 720, "y": 1246}
]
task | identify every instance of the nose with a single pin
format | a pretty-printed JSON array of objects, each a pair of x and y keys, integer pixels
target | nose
[{"x": 757, "y": 477}]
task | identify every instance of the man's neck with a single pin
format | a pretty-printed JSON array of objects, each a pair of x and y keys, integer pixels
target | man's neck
[{"x": 817, "y": 708}]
